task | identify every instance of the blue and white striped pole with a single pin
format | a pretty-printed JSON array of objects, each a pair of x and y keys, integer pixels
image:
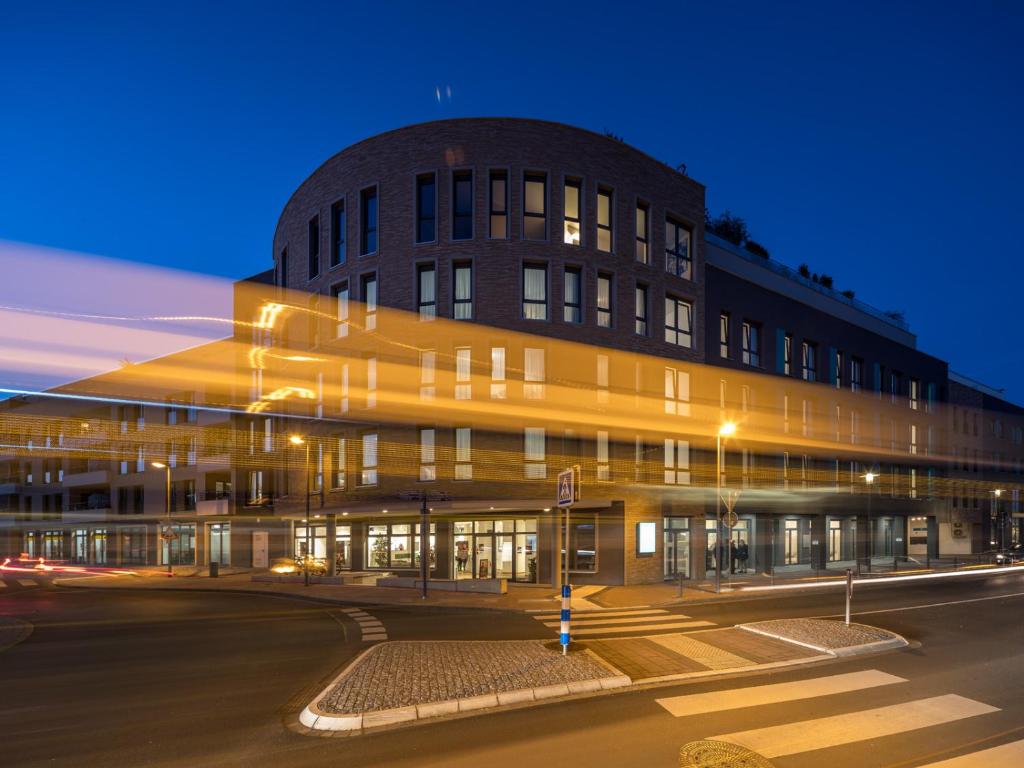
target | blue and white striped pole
[{"x": 566, "y": 611}]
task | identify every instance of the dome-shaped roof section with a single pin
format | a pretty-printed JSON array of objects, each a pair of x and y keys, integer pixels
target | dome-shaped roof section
[{"x": 490, "y": 125}]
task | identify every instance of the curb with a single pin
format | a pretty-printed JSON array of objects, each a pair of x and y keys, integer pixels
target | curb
[
  {"x": 315, "y": 718},
  {"x": 896, "y": 641}
]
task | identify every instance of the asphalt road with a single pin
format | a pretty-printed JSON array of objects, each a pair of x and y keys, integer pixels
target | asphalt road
[{"x": 154, "y": 679}]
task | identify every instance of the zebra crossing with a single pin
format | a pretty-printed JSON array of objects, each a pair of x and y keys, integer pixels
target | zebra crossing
[
  {"x": 10, "y": 581},
  {"x": 621, "y": 622},
  {"x": 370, "y": 628},
  {"x": 801, "y": 735}
]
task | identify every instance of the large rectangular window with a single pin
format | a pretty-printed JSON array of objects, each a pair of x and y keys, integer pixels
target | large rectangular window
[
  {"x": 368, "y": 466},
  {"x": 498, "y": 220},
  {"x": 463, "y": 453},
  {"x": 604, "y": 301},
  {"x": 426, "y": 208},
  {"x": 426, "y": 291},
  {"x": 677, "y": 462},
  {"x": 535, "y": 292},
  {"x": 677, "y": 250},
  {"x": 573, "y": 227},
  {"x": 640, "y": 301},
  {"x": 339, "y": 460},
  {"x": 368, "y": 221},
  {"x": 338, "y": 238},
  {"x": 723, "y": 336},
  {"x": 572, "y": 311},
  {"x": 533, "y": 453},
  {"x": 340, "y": 294},
  {"x": 462, "y": 292},
  {"x": 787, "y": 355},
  {"x": 751, "y": 345},
  {"x": 498, "y": 384},
  {"x": 314, "y": 247},
  {"x": 809, "y": 361},
  {"x": 678, "y": 322},
  {"x": 462, "y": 205},
  {"x": 677, "y": 392},
  {"x": 463, "y": 373},
  {"x": 369, "y": 293},
  {"x": 535, "y": 216},
  {"x": 604, "y": 220},
  {"x": 428, "y": 455},
  {"x": 642, "y": 234},
  {"x": 533, "y": 373}
]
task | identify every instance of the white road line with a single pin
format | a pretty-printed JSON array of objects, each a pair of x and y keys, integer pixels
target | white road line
[
  {"x": 776, "y": 693},
  {"x": 592, "y": 621},
  {"x": 351, "y": 610},
  {"x": 596, "y": 614},
  {"x": 591, "y": 631},
  {"x": 808, "y": 735},
  {"x": 367, "y": 638},
  {"x": 1004, "y": 756},
  {"x": 28, "y": 582},
  {"x": 929, "y": 605}
]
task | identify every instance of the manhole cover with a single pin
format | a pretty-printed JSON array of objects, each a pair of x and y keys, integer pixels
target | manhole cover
[{"x": 719, "y": 754}]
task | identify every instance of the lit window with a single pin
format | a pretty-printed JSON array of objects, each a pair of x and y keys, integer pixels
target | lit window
[
  {"x": 603, "y": 468},
  {"x": 498, "y": 386},
  {"x": 642, "y": 236},
  {"x": 572, "y": 309},
  {"x": 499, "y": 205},
  {"x": 426, "y": 300},
  {"x": 428, "y": 382},
  {"x": 535, "y": 222},
  {"x": 426, "y": 208},
  {"x": 572, "y": 235},
  {"x": 535, "y": 293},
  {"x": 604, "y": 301},
  {"x": 678, "y": 322},
  {"x": 369, "y": 302},
  {"x": 371, "y": 382},
  {"x": 344, "y": 388},
  {"x": 602, "y": 378},
  {"x": 428, "y": 468},
  {"x": 677, "y": 462},
  {"x": 677, "y": 249},
  {"x": 641, "y": 310},
  {"x": 787, "y": 355},
  {"x": 340, "y": 293},
  {"x": 533, "y": 453},
  {"x": 604, "y": 220},
  {"x": 677, "y": 392},
  {"x": 463, "y": 453},
  {"x": 338, "y": 222},
  {"x": 462, "y": 205},
  {"x": 915, "y": 396},
  {"x": 533, "y": 373},
  {"x": 463, "y": 369},
  {"x": 339, "y": 463},
  {"x": 856, "y": 374},
  {"x": 268, "y": 435},
  {"x": 368, "y": 471},
  {"x": 368, "y": 212},
  {"x": 723, "y": 335},
  {"x": 462, "y": 304}
]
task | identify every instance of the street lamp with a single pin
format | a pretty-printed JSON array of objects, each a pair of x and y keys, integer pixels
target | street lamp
[
  {"x": 869, "y": 478},
  {"x": 995, "y": 513},
  {"x": 167, "y": 505},
  {"x": 728, "y": 429},
  {"x": 298, "y": 440}
]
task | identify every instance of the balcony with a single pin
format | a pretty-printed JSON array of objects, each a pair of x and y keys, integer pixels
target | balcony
[
  {"x": 81, "y": 513},
  {"x": 213, "y": 507}
]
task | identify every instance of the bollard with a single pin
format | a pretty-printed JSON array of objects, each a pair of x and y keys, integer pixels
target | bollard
[
  {"x": 680, "y": 585},
  {"x": 563, "y": 635},
  {"x": 849, "y": 593}
]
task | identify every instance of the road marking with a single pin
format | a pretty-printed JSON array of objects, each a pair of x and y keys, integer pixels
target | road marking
[
  {"x": 379, "y": 636},
  {"x": 1004, "y": 756},
  {"x": 590, "y": 631},
  {"x": 703, "y": 653},
  {"x": 595, "y": 614},
  {"x": 591, "y": 621},
  {"x": 776, "y": 693},
  {"x": 28, "y": 582},
  {"x": 808, "y": 735},
  {"x": 930, "y": 605}
]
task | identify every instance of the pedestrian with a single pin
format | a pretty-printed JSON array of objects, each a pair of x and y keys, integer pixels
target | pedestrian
[
  {"x": 742, "y": 553},
  {"x": 732, "y": 557}
]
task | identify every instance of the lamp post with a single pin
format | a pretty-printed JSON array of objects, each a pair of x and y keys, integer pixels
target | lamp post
[
  {"x": 869, "y": 479},
  {"x": 999, "y": 521},
  {"x": 299, "y": 440},
  {"x": 726, "y": 430},
  {"x": 423, "y": 497},
  {"x": 167, "y": 508}
]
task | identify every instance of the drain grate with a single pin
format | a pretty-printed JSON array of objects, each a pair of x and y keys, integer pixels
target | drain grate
[{"x": 719, "y": 754}]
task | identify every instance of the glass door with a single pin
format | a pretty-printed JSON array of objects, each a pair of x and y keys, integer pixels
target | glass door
[
  {"x": 835, "y": 548},
  {"x": 676, "y": 547},
  {"x": 484, "y": 556},
  {"x": 791, "y": 539},
  {"x": 503, "y": 556},
  {"x": 711, "y": 553},
  {"x": 526, "y": 557}
]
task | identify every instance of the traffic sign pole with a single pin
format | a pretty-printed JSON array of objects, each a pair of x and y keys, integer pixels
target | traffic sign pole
[
  {"x": 849, "y": 593},
  {"x": 567, "y": 493}
]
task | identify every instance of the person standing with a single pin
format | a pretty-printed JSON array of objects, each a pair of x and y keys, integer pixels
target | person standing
[{"x": 742, "y": 553}]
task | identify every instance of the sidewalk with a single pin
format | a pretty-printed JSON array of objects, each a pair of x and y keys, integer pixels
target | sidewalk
[{"x": 406, "y": 681}]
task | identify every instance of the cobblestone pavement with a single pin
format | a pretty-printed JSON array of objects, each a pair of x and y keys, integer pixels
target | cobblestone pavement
[
  {"x": 401, "y": 674},
  {"x": 823, "y": 633}
]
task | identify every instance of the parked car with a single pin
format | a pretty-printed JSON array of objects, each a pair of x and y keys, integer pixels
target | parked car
[{"x": 1014, "y": 554}]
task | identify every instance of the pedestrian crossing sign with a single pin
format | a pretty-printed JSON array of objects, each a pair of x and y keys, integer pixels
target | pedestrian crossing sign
[{"x": 566, "y": 488}]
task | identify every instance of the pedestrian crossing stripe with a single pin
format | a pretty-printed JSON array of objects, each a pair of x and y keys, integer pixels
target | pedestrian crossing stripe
[
  {"x": 591, "y": 631},
  {"x": 775, "y": 693},
  {"x": 837, "y": 730},
  {"x": 593, "y": 620},
  {"x": 28, "y": 582},
  {"x": 598, "y": 614},
  {"x": 1004, "y": 756}
]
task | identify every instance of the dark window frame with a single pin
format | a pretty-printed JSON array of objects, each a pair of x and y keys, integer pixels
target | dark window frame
[
  {"x": 339, "y": 237},
  {"x": 536, "y": 177},
  {"x": 675, "y": 329},
  {"x": 642, "y": 238},
  {"x": 493, "y": 175},
  {"x": 366, "y": 231},
  {"x": 641, "y": 320},
  {"x": 536, "y": 302},
  {"x": 577, "y": 184},
  {"x": 464, "y": 218},
  {"x": 607, "y": 312},
  {"x": 421, "y": 269},
  {"x": 456, "y": 301},
  {"x": 609, "y": 193},
  {"x": 672, "y": 255},
  {"x": 424, "y": 180},
  {"x": 576, "y": 308},
  {"x": 313, "y": 247}
]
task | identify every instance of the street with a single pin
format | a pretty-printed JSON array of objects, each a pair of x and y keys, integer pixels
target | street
[{"x": 146, "y": 678}]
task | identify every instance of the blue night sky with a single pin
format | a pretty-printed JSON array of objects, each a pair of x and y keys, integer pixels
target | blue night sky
[{"x": 881, "y": 145}]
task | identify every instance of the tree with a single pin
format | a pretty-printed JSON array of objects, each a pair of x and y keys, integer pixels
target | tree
[{"x": 730, "y": 228}]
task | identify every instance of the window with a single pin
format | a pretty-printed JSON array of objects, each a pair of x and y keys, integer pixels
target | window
[
  {"x": 463, "y": 453},
  {"x": 368, "y": 470},
  {"x": 642, "y": 234},
  {"x": 340, "y": 294},
  {"x": 640, "y": 302},
  {"x": 533, "y": 453},
  {"x": 572, "y": 227},
  {"x": 605, "y": 237},
  {"x": 371, "y": 382},
  {"x": 602, "y": 378},
  {"x": 751, "y": 345},
  {"x": 723, "y": 335},
  {"x": 462, "y": 205},
  {"x": 603, "y": 468},
  {"x": 572, "y": 311},
  {"x": 268, "y": 435},
  {"x": 314, "y": 247},
  {"x": 338, "y": 233},
  {"x": 426, "y": 288},
  {"x": 533, "y": 373},
  {"x": 462, "y": 291},
  {"x": 856, "y": 374},
  {"x": 428, "y": 468},
  {"x": 582, "y": 544},
  {"x": 809, "y": 361},
  {"x": 368, "y": 211},
  {"x": 498, "y": 387},
  {"x": 787, "y": 355},
  {"x": 426, "y": 208},
  {"x": 463, "y": 373},
  {"x": 677, "y": 249},
  {"x": 535, "y": 218},
  {"x": 840, "y": 363},
  {"x": 535, "y": 292},
  {"x": 255, "y": 495},
  {"x": 428, "y": 375},
  {"x": 344, "y": 388},
  {"x": 604, "y": 301},
  {"x": 678, "y": 325},
  {"x": 369, "y": 293},
  {"x": 339, "y": 463},
  {"x": 915, "y": 395},
  {"x": 677, "y": 462},
  {"x": 499, "y": 205},
  {"x": 677, "y": 392}
]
